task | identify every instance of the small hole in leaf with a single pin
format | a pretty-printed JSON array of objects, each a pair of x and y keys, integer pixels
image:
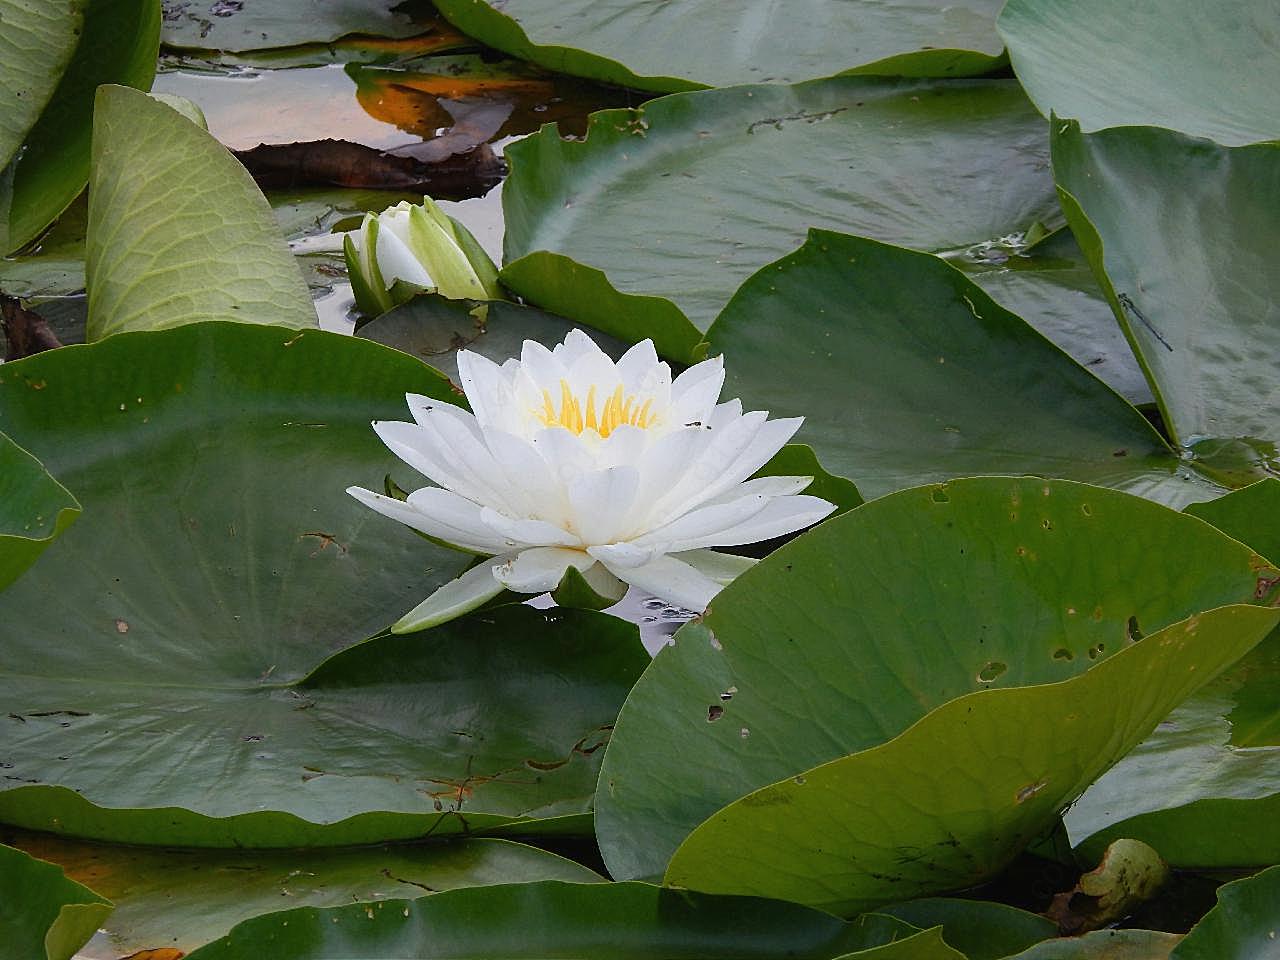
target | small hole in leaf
[
  {"x": 714, "y": 712},
  {"x": 1047, "y": 523},
  {"x": 728, "y": 694},
  {"x": 940, "y": 495},
  {"x": 1062, "y": 653},
  {"x": 744, "y": 733},
  {"x": 1133, "y": 630},
  {"x": 992, "y": 670}
]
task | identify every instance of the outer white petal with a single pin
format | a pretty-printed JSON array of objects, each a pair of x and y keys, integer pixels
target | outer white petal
[
  {"x": 472, "y": 461},
  {"x": 721, "y": 467},
  {"x": 396, "y": 261},
  {"x": 636, "y": 363},
  {"x": 780, "y": 516},
  {"x": 765, "y": 486},
  {"x": 460, "y": 530},
  {"x": 617, "y": 556},
  {"x": 702, "y": 526},
  {"x": 426, "y": 451},
  {"x": 522, "y": 466},
  {"x": 421, "y": 407},
  {"x": 725, "y": 413},
  {"x": 694, "y": 393},
  {"x": 473, "y": 589},
  {"x": 717, "y": 451},
  {"x": 539, "y": 569},
  {"x": 723, "y": 568},
  {"x": 671, "y": 579},
  {"x": 518, "y": 531},
  {"x": 487, "y": 388},
  {"x": 662, "y": 467},
  {"x": 601, "y": 502}
]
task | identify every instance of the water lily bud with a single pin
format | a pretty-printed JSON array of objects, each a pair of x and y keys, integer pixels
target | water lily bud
[
  {"x": 580, "y": 476},
  {"x": 410, "y": 249}
]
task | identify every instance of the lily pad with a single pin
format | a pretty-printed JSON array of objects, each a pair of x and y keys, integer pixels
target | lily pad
[
  {"x": 182, "y": 899},
  {"x": 39, "y": 39},
  {"x": 848, "y": 635},
  {"x": 1251, "y": 515},
  {"x": 615, "y": 921},
  {"x": 118, "y": 44},
  {"x": 950, "y": 802},
  {"x": 237, "y": 25},
  {"x": 182, "y": 668},
  {"x": 1244, "y": 925},
  {"x": 34, "y": 510},
  {"x": 44, "y": 915},
  {"x": 704, "y": 43},
  {"x": 933, "y": 379},
  {"x": 1181, "y": 234},
  {"x": 648, "y": 227},
  {"x": 979, "y": 929},
  {"x": 178, "y": 232},
  {"x": 1207, "y": 73},
  {"x": 1105, "y": 945}
]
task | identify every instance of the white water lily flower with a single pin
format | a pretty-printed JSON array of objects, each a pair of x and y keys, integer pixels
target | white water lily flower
[
  {"x": 409, "y": 249},
  {"x": 616, "y": 470}
]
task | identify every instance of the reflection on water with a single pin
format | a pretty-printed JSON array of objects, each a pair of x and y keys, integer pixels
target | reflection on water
[{"x": 658, "y": 620}]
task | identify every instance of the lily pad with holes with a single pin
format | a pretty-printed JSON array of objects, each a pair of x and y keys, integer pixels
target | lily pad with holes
[
  {"x": 648, "y": 227},
  {"x": 169, "y": 671},
  {"x": 844, "y": 638},
  {"x": 182, "y": 899},
  {"x": 118, "y": 45},
  {"x": 1182, "y": 234},
  {"x": 705, "y": 43},
  {"x": 615, "y": 921},
  {"x": 903, "y": 389},
  {"x": 1207, "y": 73},
  {"x": 44, "y": 915},
  {"x": 178, "y": 232},
  {"x": 34, "y": 510}
]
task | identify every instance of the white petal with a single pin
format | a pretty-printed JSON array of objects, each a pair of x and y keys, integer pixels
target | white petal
[
  {"x": 619, "y": 555},
  {"x": 701, "y": 526},
  {"x": 601, "y": 502},
  {"x": 671, "y": 579},
  {"x": 566, "y": 456},
  {"x": 723, "y": 568},
  {"x": 764, "y": 486},
  {"x": 462, "y": 533},
  {"x": 699, "y": 373},
  {"x": 474, "y": 464},
  {"x": 422, "y": 447},
  {"x": 697, "y": 402},
  {"x": 718, "y": 451},
  {"x": 625, "y": 445},
  {"x": 522, "y": 466},
  {"x": 473, "y": 589},
  {"x": 780, "y": 516},
  {"x": 539, "y": 569},
  {"x": 633, "y": 365},
  {"x": 577, "y": 345},
  {"x": 662, "y": 467},
  {"x": 452, "y": 517},
  {"x": 725, "y": 413},
  {"x": 543, "y": 368},
  {"x": 420, "y": 407},
  {"x": 721, "y": 472},
  {"x": 396, "y": 261},
  {"x": 518, "y": 531}
]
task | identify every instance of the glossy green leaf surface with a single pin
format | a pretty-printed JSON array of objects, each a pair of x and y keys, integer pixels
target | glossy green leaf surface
[
  {"x": 214, "y": 25},
  {"x": 1244, "y": 925},
  {"x": 1105, "y": 945},
  {"x": 617, "y": 921},
  {"x": 43, "y": 915},
  {"x": 118, "y": 44},
  {"x": 34, "y": 510},
  {"x": 925, "y": 945},
  {"x": 979, "y": 929},
  {"x": 178, "y": 231},
  {"x": 38, "y": 41},
  {"x": 647, "y": 227},
  {"x": 705, "y": 43},
  {"x": 955, "y": 798},
  {"x": 905, "y": 390},
  {"x": 183, "y": 669},
  {"x": 1251, "y": 515},
  {"x": 1182, "y": 234},
  {"x": 1207, "y": 73},
  {"x": 182, "y": 899},
  {"x": 848, "y": 635}
]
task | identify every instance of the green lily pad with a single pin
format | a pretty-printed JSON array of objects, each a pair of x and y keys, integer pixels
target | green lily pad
[
  {"x": 236, "y": 25},
  {"x": 927, "y": 379},
  {"x": 1052, "y": 287},
  {"x": 39, "y": 39},
  {"x": 925, "y": 945},
  {"x": 848, "y": 635},
  {"x": 55, "y": 268},
  {"x": 615, "y": 921},
  {"x": 704, "y": 43},
  {"x": 182, "y": 899},
  {"x": 174, "y": 645},
  {"x": 118, "y": 44},
  {"x": 1182, "y": 234},
  {"x": 1105, "y": 945},
  {"x": 649, "y": 226},
  {"x": 1207, "y": 73},
  {"x": 1251, "y": 515},
  {"x": 979, "y": 929},
  {"x": 178, "y": 232},
  {"x": 44, "y": 916},
  {"x": 1244, "y": 925},
  {"x": 950, "y": 802},
  {"x": 34, "y": 510}
]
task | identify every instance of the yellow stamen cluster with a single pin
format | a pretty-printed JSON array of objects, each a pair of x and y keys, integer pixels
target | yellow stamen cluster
[{"x": 576, "y": 415}]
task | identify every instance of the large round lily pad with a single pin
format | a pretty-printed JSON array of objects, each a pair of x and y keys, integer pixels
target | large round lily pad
[
  {"x": 167, "y": 670},
  {"x": 708, "y": 43},
  {"x": 848, "y": 635},
  {"x": 1207, "y": 71},
  {"x": 647, "y": 227}
]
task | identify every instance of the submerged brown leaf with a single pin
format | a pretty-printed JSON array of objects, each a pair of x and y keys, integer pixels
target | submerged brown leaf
[{"x": 26, "y": 331}]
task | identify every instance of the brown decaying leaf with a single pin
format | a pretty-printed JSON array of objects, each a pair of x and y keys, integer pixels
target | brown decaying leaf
[{"x": 26, "y": 331}]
